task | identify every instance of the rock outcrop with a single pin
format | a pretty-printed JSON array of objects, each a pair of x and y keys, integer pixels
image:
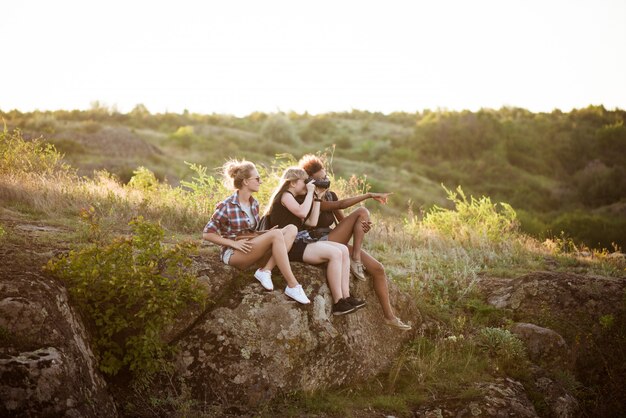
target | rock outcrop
[
  {"x": 47, "y": 367},
  {"x": 543, "y": 345},
  {"x": 254, "y": 345},
  {"x": 503, "y": 398},
  {"x": 572, "y": 324}
]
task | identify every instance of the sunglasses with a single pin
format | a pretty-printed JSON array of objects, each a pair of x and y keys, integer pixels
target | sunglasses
[{"x": 258, "y": 179}]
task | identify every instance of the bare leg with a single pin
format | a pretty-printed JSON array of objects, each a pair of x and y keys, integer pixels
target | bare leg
[
  {"x": 289, "y": 234},
  {"x": 379, "y": 279},
  {"x": 270, "y": 240},
  {"x": 345, "y": 267},
  {"x": 319, "y": 252},
  {"x": 350, "y": 227}
]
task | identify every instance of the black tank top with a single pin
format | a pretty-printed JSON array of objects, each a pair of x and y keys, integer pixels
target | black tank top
[{"x": 281, "y": 216}]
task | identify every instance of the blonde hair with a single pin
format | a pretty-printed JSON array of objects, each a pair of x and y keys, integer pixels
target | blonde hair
[
  {"x": 235, "y": 172},
  {"x": 290, "y": 174}
]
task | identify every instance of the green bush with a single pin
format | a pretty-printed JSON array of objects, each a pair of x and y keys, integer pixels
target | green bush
[
  {"x": 131, "y": 288},
  {"x": 184, "y": 136},
  {"x": 473, "y": 219},
  {"x": 143, "y": 179},
  {"x": 502, "y": 346},
  {"x": 279, "y": 128},
  {"x": 595, "y": 231},
  {"x": 18, "y": 156}
]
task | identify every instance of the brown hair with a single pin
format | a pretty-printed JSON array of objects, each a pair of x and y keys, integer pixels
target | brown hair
[
  {"x": 235, "y": 172},
  {"x": 290, "y": 174},
  {"x": 311, "y": 164}
]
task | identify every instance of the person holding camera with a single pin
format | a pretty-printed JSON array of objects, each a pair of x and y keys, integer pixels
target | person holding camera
[
  {"x": 354, "y": 226},
  {"x": 284, "y": 210},
  {"x": 232, "y": 226}
]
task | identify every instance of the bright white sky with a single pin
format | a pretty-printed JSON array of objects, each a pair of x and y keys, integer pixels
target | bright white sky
[{"x": 237, "y": 57}]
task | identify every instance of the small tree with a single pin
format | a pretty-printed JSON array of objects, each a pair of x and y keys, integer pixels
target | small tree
[{"x": 278, "y": 128}]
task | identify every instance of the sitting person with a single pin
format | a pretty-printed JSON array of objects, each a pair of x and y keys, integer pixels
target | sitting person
[
  {"x": 283, "y": 210},
  {"x": 354, "y": 226},
  {"x": 232, "y": 226}
]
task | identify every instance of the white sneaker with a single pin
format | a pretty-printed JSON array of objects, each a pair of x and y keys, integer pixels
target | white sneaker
[
  {"x": 297, "y": 293},
  {"x": 265, "y": 277}
]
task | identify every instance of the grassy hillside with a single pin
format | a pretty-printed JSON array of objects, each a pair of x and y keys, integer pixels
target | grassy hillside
[
  {"x": 437, "y": 257},
  {"x": 563, "y": 172}
]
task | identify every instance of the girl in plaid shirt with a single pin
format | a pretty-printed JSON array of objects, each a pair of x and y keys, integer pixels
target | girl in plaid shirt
[{"x": 233, "y": 224}]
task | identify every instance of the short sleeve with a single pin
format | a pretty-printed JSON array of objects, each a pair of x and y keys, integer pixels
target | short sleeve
[{"x": 218, "y": 220}]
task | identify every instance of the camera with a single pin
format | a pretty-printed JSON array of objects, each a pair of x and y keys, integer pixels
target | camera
[{"x": 322, "y": 183}]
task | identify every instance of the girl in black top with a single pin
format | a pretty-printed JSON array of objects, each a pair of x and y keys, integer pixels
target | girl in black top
[
  {"x": 284, "y": 210},
  {"x": 352, "y": 227}
]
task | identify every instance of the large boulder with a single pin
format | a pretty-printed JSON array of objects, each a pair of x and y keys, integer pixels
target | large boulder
[
  {"x": 566, "y": 296},
  {"x": 253, "y": 345},
  {"x": 580, "y": 330},
  {"x": 47, "y": 367},
  {"x": 543, "y": 345}
]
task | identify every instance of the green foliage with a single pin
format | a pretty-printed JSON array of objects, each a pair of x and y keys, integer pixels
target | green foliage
[
  {"x": 594, "y": 231},
  {"x": 143, "y": 179},
  {"x": 184, "y": 136},
  {"x": 2, "y": 232},
  {"x": 472, "y": 219},
  {"x": 598, "y": 184},
  {"x": 278, "y": 128},
  {"x": 18, "y": 156},
  {"x": 131, "y": 288},
  {"x": 501, "y": 345},
  {"x": 318, "y": 129}
]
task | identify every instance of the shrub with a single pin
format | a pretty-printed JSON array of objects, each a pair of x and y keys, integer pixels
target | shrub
[
  {"x": 143, "y": 179},
  {"x": 473, "y": 219},
  {"x": 502, "y": 346},
  {"x": 184, "y": 136},
  {"x": 279, "y": 128},
  {"x": 18, "y": 156},
  {"x": 130, "y": 288}
]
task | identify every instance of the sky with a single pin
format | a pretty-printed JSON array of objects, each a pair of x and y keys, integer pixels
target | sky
[{"x": 237, "y": 57}]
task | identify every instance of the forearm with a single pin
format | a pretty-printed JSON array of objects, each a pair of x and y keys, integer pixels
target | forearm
[
  {"x": 314, "y": 215},
  {"x": 217, "y": 239},
  {"x": 344, "y": 203}
]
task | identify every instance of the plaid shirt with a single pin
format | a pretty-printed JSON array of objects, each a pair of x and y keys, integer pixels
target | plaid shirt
[{"x": 229, "y": 219}]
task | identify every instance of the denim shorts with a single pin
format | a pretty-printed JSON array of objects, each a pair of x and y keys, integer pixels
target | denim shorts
[{"x": 226, "y": 254}]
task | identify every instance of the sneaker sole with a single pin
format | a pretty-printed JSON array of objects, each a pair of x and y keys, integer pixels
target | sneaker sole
[
  {"x": 364, "y": 279},
  {"x": 344, "y": 312},
  {"x": 294, "y": 299},
  {"x": 399, "y": 328},
  {"x": 360, "y": 306}
]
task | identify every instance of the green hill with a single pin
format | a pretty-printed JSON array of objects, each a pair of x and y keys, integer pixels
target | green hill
[{"x": 562, "y": 172}]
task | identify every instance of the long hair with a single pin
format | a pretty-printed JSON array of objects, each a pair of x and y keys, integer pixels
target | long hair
[
  {"x": 290, "y": 174},
  {"x": 235, "y": 172}
]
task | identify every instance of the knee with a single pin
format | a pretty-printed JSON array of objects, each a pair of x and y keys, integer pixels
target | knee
[
  {"x": 377, "y": 269},
  {"x": 362, "y": 212},
  {"x": 290, "y": 232},
  {"x": 276, "y": 234},
  {"x": 335, "y": 255}
]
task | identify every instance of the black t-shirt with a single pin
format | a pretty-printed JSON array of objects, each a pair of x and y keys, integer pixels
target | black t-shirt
[
  {"x": 327, "y": 218},
  {"x": 281, "y": 216}
]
